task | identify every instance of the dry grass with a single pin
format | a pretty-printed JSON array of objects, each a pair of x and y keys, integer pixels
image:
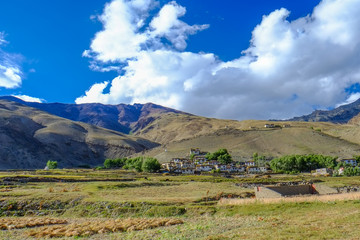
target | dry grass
[
  {"x": 88, "y": 228},
  {"x": 171, "y": 192},
  {"x": 242, "y": 142},
  {"x": 6, "y": 190},
  {"x": 310, "y": 198},
  {"x": 17, "y": 223}
]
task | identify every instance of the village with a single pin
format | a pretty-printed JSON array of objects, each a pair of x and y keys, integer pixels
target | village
[{"x": 198, "y": 163}]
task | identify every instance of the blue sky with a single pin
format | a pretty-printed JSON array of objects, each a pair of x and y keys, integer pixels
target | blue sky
[{"x": 45, "y": 41}]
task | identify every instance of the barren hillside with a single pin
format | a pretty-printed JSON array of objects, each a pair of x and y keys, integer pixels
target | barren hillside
[{"x": 30, "y": 137}]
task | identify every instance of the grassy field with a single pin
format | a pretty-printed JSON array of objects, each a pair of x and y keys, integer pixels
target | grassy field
[{"x": 87, "y": 204}]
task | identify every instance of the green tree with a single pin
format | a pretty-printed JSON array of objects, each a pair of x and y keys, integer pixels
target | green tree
[
  {"x": 351, "y": 171},
  {"x": 114, "y": 163},
  {"x": 301, "y": 163},
  {"x": 222, "y": 155},
  {"x": 134, "y": 163},
  {"x": 255, "y": 156},
  {"x": 52, "y": 164},
  {"x": 151, "y": 165}
]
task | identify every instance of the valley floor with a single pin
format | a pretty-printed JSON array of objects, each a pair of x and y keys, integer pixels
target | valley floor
[{"x": 87, "y": 204}]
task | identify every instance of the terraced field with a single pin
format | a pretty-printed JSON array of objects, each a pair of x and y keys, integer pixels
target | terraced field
[{"x": 87, "y": 204}]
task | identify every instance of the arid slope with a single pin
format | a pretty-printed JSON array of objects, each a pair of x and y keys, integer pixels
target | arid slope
[
  {"x": 30, "y": 137},
  {"x": 180, "y": 133}
]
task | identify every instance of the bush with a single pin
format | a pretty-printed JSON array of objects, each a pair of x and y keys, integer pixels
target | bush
[
  {"x": 151, "y": 165},
  {"x": 52, "y": 164},
  {"x": 114, "y": 163},
  {"x": 134, "y": 163},
  {"x": 222, "y": 155},
  {"x": 139, "y": 164},
  {"x": 352, "y": 171}
]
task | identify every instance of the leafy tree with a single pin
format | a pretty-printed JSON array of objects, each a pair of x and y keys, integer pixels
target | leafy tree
[
  {"x": 351, "y": 171},
  {"x": 222, "y": 155},
  {"x": 52, "y": 164},
  {"x": 259, "y": 160},
  {"x": 114, "y": 163},
  {"x": 151, "y": 165},
  {"x": 301, "y": 163},
  {"x": 134, "y": 163}
]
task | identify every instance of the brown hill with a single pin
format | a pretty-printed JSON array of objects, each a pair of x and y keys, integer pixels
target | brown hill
[
  {"x": 355, "y": 120},
  {"x": 179, "y": 133},
  {"x": 30, "y": 137}
]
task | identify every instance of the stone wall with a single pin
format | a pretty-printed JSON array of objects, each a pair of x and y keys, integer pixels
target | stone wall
[{"x": 282, "y": 191}]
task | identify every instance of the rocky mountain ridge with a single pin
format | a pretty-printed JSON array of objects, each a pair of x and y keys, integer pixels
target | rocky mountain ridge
[
  {"x": 342, "y": 114},
  {"x": 123, "y": 118}
]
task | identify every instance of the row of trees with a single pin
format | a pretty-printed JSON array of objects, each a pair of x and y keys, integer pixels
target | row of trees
[
  {"x": 348, "y": 170},
  {"x": 351, "y": 171},
  {"x": 140, "y": 164},
  {"x": 302, "y": 163}
]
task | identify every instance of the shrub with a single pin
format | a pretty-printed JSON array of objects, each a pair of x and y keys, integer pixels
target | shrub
[
  {"x": 114, "y": 163},
  {"x": 222, "y": 155},
  {"x": 151, "y": 165},
  {"x": 52, "y": 164},
  {"x": 134, "y": 163},
  {"x": 351, "y": 171}
]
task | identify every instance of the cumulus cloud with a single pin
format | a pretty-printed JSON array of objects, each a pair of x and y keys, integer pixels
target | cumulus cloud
[
  {"x": 289, "y": 69},
  {"x": 10, "y": 73},
  {"x": 29, "y": 98}
]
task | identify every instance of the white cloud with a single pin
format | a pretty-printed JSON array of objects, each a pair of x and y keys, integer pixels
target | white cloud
[
  {"x": 10, "y": 73},
  {"x": 28, "y": 98},
  {"x": 290, "y": 66},
  {"x": 125, "y": 34},
  {"x": 10, "y": 76},
  {"x": 167, "y": 24},
  {"x": 95, "y": 94},
  {"x": 352, "y": 98}
]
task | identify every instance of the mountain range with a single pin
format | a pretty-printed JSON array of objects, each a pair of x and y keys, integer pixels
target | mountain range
[
  {"x": 342, "y": 114},
  {"x": 122, "y": 117},
  {"x": 86, "y": 134}
]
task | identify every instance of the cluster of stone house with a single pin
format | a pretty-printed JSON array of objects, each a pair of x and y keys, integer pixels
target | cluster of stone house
[
  {"x": 340, "y": 171},
  {"x": 348, "y": 162},
  {"x": 199, "y": 163}
]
